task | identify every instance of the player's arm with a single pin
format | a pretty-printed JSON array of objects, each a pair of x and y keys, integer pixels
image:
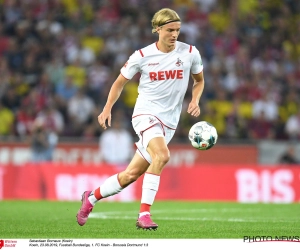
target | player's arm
[
  {"x": 197, "y": 91},
  {"x": 113, "y": 96}
]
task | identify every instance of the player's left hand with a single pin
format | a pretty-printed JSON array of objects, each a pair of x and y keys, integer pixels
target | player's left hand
[
  {"x": 193, "y": 109},
  {"x": 104, "y": 117}
]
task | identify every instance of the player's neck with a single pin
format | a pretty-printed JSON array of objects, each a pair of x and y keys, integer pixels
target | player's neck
[{"x": 164, "y": 47}]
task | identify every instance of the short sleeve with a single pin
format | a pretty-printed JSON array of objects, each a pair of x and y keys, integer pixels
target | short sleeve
[
  {"x": 197, "y": 64},
  {"x": 132, "y": 66}
]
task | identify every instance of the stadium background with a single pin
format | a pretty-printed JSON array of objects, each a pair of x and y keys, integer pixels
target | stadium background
[{"x": 250, "y": 50}]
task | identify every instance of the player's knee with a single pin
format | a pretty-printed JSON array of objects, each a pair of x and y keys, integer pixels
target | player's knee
[{"x": 162, "y": 157}]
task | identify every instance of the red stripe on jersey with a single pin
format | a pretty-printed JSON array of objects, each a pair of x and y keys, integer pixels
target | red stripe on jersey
[
  {"x": 191, "y": 48},
  {"x": 146, "y": 130},
  {"x": 141, "y": 53},
  {"x": 156, "y": 118},
  {"x": 198, "y": 73}
]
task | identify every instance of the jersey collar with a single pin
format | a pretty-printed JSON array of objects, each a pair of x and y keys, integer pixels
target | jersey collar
[{"x": 176, "y": 46}]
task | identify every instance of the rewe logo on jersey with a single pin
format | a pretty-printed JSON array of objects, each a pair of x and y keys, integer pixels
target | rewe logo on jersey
[{"x": 165, "y": 75}]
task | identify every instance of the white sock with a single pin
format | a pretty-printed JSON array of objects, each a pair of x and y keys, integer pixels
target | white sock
[
  {"x": 150, "y": 188},
  {"x": 143, "y": 213},
  {"x": 92, "y": 198},
  {"x": 110, "y": 187}
]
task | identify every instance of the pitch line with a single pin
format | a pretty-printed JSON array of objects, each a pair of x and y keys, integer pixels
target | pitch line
[
  {"x": 117, "y": 216},
  {"x": 201, "y": 210}
]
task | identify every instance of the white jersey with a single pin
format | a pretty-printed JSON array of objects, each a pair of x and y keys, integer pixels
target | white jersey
[{"x": 164, "y": 79}]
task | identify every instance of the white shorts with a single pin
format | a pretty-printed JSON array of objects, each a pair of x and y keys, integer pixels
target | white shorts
[{"x": 148, "y": 127}]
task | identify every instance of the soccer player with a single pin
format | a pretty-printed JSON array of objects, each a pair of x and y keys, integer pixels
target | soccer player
[{"x": 165, "y": 68}]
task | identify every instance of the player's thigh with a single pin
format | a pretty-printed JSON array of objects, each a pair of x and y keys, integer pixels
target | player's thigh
[
  {"x": 157, "y": 144},
  {"x": 158, "y": 148}
]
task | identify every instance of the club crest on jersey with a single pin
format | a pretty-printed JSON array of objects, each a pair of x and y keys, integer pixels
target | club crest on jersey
[
  {"x": 179, "y": 62},
  {"x": 151, "y": 120},
  {"x": 125, "y": 64}
]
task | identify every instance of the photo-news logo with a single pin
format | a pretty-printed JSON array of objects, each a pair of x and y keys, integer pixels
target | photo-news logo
[{"x": 252, "y": 239}]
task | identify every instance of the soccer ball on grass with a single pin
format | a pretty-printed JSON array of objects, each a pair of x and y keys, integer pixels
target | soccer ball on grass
[{"x": 203, "y": 135}]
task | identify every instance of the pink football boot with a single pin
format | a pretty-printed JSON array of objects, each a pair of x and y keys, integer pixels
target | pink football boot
[
  {"x": 145, "y": 222},
  {"x": 85, "y": 209}
]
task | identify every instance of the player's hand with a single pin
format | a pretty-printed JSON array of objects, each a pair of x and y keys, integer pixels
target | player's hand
[
  {"x": 103, "y": 117},
  {"x": 193, "y": 109}
]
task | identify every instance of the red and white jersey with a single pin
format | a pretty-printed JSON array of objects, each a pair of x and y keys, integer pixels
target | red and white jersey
[{"x": 164, "y": 79}]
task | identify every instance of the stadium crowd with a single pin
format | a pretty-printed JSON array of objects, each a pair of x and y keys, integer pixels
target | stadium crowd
[{"x": 58, "y": 59}]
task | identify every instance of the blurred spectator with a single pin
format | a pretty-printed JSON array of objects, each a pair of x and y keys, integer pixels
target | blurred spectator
[
  {"x": 289, "y": 105},
  {"x": 6, "y": 120},
  {"x": 80, "y": 111},
  {"x": 45, "y": 88},
  {"x": 109, "y": 11},
  {"x": 75, "y": 21},
  {"x": 5, "y": 76},
  {"x": 267, "y": 105},
  {"x": 130, "y": 93},
  {"x": 265, "y": 64},
  {"x": 91, "y": 41},
  {"x": 21, "y": 87},
  {"x": 116, "y": 143},
  {"x": 248, "y": 88},
  {"x": 77, "y": 72},
  {"x": 279, "y": 129},
  {"x": 66, "y": 89},
  {"x": 4, "y": 40},
  {"x": 218, "y": 109},
  {"x": 51, "y": 119},
  {"x": 210, "y": 114},
  {"x": 219, "y": 18},
  {"x": 289, "y": 156},
  {"x": 30, "y": 69},
  {"x": 25, "y": 118},
  {"x": 14, "y": 55},
  {"x": 237, "y": 120},
  {"x": 206, "y": 5},
  {"x": 292, "y": 126},
  {"x": 117, "y": 44},
  {"x": 11, "y": 100},
  {"x": 85, "y": 55},
  {"x": 55, "y": 70},
  {"x": 42, "y": 143},
  {"x": 35, "y": 99},
  {"x": 98, "y": 76},
  {"x": 260, "y": 127}
]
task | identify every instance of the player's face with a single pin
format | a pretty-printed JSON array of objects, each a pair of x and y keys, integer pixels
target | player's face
[{"x": 169, "y": 33}]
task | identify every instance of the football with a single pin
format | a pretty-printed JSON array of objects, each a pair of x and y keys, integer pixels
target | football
[{"x": 203, "y": 135}]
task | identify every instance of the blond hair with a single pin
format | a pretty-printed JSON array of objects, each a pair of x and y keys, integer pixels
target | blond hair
[{"x": 163, "y": 17}]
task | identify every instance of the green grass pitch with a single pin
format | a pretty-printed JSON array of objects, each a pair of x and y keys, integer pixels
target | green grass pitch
[{"x": 176, "y": 220}]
